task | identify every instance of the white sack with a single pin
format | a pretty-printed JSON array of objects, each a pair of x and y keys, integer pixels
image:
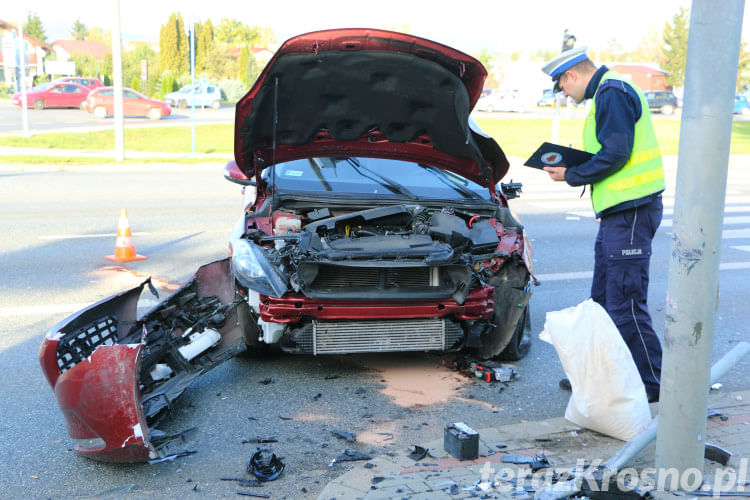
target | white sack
[{"x": 608, "y": 394}]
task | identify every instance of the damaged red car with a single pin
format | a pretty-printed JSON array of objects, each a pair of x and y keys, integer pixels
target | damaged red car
[{"x": 374, "y": 220}]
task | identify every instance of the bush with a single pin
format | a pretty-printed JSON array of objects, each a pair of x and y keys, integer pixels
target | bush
[
  {"x": 233, "y": 89},
  {"x": 168, "y": 84},
  {"x": 135, "y": 83},
  {"x": 6, "y": 90}
]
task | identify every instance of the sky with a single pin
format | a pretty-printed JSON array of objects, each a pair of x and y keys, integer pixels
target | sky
[{"x": 499, "y": 26}]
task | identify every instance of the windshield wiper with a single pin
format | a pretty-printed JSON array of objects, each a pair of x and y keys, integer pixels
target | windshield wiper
[
  {"x": 392, "y": 185},
  {"x": 451, "y": 183}
]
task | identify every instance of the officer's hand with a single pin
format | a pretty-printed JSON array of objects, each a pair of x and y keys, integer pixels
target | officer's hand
[{"x": 556, "y": 173}]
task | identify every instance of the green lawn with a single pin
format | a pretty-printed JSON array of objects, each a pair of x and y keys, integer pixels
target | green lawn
[{"x": 517, "y": 137}]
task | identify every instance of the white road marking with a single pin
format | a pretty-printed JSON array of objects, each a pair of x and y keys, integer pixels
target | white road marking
[
  {"x": 582, "y": 275},
  {"x": 73, "y": 236},
  {"x": 733, "y": 234},
  {"x": 732, "y": 219},
  {"x": 744, "y": 248}
]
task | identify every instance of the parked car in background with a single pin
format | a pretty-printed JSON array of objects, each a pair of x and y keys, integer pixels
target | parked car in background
[
  {"x": 203, "y": 95},
  {"x": 374, "y": 219},
  {"x": 89, "y": 83},
  {"x": 101, "y": 102},
  {"x": 741, "y": 105},
  {"x": 53, "y": 95},
  {"x": 662, "y": 101},
  {"x": 512, "y": 100},
  {"x": 548, "y": 98}
]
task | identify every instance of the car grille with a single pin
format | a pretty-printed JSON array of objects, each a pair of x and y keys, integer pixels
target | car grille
[
  {"x": 335, "y": 277},
  {"x": 344, "y": 337}
]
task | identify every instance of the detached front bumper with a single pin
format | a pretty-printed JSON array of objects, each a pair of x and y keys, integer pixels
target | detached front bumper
[{"x": 115, "y": 377}]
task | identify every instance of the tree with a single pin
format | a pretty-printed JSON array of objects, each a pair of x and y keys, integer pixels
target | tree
[
  {"x": 173, "y": 45},
  {"x": 96, "y": 34},
  {"x": 34, "y": 27},
  {"x": 234, "y": 33},
  {"x": 79, "y": 31},
  {"x": 204, "y": 44},
  {"x": 485, "y": 57},
  {"x": 650, "y": 48},
  {"x": 743, "y": 67},
  {"x": 675, "y": 35}
]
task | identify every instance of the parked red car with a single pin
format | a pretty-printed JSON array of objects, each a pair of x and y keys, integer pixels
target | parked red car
[
  {"x": 101, "y": 102},
  {"x": 378, "y": 222},
  {"x": 89, "y": 83},
  {"x": 53, "y": 95}
]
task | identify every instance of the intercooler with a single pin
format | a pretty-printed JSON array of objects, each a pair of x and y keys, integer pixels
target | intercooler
[{"x": 342, "y": 337}]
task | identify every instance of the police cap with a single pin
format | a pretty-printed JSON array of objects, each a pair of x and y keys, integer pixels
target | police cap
[{"x": 557, "y": 66}]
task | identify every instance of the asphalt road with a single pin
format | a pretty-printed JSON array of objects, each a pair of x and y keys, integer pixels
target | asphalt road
[
  {"x": 49, "y": 120},
  {"x": 56, "y": 228}
]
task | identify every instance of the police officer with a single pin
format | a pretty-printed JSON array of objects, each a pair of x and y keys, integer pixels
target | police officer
[{"x": 626, "y": 179}]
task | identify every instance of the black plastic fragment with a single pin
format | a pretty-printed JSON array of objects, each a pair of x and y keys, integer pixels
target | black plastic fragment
[
  {"x": 344, "y": 435},
  {"x": 537, "y": 462},
  {"x": 717, "y": 454},
  {"x": 351, "y": 456},
  {"x": 418, "y": 453},
  {"x": 265, "y": 467},
  {"x": 251, "y": 494},
  {"x": 267, "y": 380}
]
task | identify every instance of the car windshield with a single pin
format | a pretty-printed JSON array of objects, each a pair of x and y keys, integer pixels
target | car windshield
[
  {"x": 43, "y": 86},
  {"x": 375, "y": 177}
]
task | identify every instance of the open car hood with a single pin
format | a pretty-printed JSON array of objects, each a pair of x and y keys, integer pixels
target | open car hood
[{"x": 366, "y": 92}]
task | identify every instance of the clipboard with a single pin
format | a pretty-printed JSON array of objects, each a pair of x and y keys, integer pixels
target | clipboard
[{"x": 551, "y": 155}]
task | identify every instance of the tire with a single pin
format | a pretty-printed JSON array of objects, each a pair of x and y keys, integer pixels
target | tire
[
  {"x": 667, "y": 109},
  {"x": 507, "y": 327},
  {"x": 490, "y": 109},
  {"x": 216, "y": 104},
  {"x": 100, "y": 112},
  {"x": 154, "y": 114},
  {"x": 39, "y": 104},
  {"x": 182, "y": 104},
  {"x": 82, "y": 106},
  {"x": 745, "y": 111},
  {"x": 520, "y": 343}
]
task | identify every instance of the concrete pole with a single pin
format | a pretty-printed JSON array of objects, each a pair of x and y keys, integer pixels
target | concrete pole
[
  {"x": 22, "y": 63},
  {"x": 117, "y": 83},
  {"x": 692, "y": 291},
  {"x": 192, "y": 78}
]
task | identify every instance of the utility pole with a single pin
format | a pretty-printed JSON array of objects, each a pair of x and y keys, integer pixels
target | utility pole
[
  {"x": 692, "y": 290},
  {"x": 22, "y": 77},
  {"x": 117, "y": 83},
  {"x": 192, "y": 77}
]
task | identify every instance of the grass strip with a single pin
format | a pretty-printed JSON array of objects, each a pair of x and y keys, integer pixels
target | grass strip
[{"x": 518, "y": 136}]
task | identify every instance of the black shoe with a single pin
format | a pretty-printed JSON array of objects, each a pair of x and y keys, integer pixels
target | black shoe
[{"x": 565, "y": 385}]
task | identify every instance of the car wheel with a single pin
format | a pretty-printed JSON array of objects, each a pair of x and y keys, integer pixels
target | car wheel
[
  {"x": 667, "y": 109},
  {"x": 82, "y": 106},
  {"x": 216, "y": 104},
  {"x": 520, "y": 343},
  {"x": 100, "y": 112},
  {"x": 154, "y": 114},
  {"x": 509, "y": 317},
  {"x": 745, "y": 111},
  {"x": 182, "y": 104},
  {"x": 39, "y": 104}
]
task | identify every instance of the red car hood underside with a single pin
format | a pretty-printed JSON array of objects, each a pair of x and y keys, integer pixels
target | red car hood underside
[{"x": 365, "y": 92}]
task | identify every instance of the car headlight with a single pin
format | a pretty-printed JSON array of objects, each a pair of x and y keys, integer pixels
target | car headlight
[{"x": 253, "y": 269}]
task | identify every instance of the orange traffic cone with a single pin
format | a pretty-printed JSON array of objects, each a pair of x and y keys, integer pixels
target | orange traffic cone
[{"x": 124, "y": 249}]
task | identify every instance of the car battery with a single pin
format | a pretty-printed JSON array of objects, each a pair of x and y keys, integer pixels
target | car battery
[{"x": 461, "y": 441}]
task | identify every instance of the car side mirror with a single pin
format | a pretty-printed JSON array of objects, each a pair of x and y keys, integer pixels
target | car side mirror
[{"x": 232, "y": 173}]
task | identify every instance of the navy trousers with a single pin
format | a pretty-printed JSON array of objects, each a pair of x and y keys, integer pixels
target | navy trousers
[{"x": 622, "y": 253}]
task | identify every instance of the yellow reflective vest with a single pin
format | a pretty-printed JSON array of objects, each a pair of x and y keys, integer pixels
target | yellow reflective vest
[{"x": 643, "y": 174}]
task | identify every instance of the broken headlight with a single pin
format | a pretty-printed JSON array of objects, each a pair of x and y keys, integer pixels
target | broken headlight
[{"x": 254, "y": 271}]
